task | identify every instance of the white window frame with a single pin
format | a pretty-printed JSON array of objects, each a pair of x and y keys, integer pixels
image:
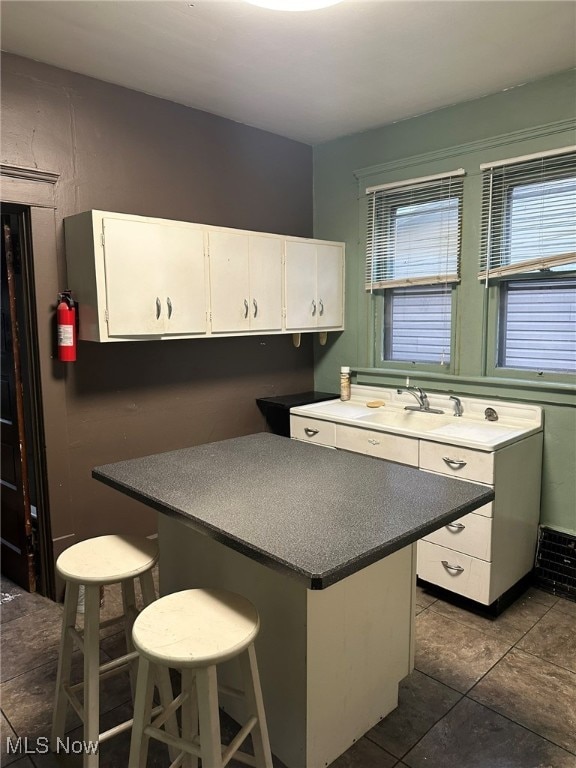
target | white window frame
[
  {"x": 382, "y": 279},
  {"x": 497, "y": 271}
]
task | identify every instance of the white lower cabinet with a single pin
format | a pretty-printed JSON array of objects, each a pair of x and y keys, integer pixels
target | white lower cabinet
[
  {"x": 313, "y": 430},
  {"x": 467, "y": 576},
  {"x": 471, "y": 534},
  {"x": 484, "y": 553},
  {"x": 403, "y": 450}
]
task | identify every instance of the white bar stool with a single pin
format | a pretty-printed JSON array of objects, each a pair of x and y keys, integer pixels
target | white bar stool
[
  {"x": 92, "y": 564},
  {"x": 193, "y": 631}
]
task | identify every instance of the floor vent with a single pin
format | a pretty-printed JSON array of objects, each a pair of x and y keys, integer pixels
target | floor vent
[{"x": 556, "y": 563}]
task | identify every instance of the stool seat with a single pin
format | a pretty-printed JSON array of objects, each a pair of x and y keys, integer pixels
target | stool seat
[
  {"x": 196, "y": 627},
  {"x": 89, "y": 565},
  {"x": 107, "y": 559},
  {"x": 193, "y": 631}
]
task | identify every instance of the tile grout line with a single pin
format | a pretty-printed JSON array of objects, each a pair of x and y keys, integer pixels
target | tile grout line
[{"x": 521, "y": 725}]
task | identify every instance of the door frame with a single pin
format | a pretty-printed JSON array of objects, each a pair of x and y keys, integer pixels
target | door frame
[{"x": 31, "y": 192}]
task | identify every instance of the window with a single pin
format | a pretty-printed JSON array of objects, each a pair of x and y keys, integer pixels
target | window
[
  {"x": 529, "y": 232},
  {"x": 413, "y": 260},
  {"x": 417, "y": 324},
  {"x": 538, "y": 325}
]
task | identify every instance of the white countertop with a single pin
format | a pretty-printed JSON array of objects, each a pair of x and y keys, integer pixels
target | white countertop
[{"x": 515, "y": 420}]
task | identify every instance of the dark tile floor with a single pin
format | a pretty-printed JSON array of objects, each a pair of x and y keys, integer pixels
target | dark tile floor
[{"x": 484, "y": 694}]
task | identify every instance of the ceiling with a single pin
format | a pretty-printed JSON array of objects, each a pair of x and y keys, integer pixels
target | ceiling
[{"x": 309, "y": 76}]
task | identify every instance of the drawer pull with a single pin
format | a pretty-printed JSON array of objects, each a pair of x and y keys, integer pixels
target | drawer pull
[
  {"x": 454, "y": 463},
  {"x": 456, "y": 526},
  {"x": 455, "y": 568},
  {"x": 311, "y": 432},
  {"x": 374, "y": 442}
]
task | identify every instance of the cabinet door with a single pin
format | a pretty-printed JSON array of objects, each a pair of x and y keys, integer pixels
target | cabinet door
[
  {"x": 265, "y": 266},
  {"x": 229, "y": 281},
  {"x": 329, "y": 285},
  {"x": 133, "y": 264},
  {"x": 300, "y": 285},
  {"x": 184, "y": 278},
  {"x": 154, "y": 278}
]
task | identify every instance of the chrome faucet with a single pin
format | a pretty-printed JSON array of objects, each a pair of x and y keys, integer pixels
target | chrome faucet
[
  {"x": 421, "y": 398},
  {"x": 458, "y": 410}
]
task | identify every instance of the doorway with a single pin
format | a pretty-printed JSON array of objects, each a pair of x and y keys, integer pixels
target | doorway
[{"x": 25, "y": 534}]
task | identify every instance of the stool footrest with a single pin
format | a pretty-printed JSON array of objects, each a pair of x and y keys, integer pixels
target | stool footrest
[
  {"x": 193, "y": 747},
  {"x": 119, "y": 663},
  {"x": 166, "y": 712},
  {"x": 232, "y": 749},
  {"x": 70, "y": 693},
  {"x": 121, "y": 727},
  {"x": 235, "y": 693}
]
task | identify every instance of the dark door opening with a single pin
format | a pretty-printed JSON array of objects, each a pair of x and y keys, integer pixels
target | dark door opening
[{"x": 24, "y": 517}]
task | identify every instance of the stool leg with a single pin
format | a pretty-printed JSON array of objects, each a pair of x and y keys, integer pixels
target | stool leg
[
  {"x": 142, "y": 715},
  {"x": 147, "y": 587},
  {"x": 130, "y": 613},
  {"x": 164, "y": 685},
  {"x": 255, "y": 704},
  {"x": 91, "y": 671},
  {"x": 189, "y": 715},
  {"x": 209, "y": 717},
  {"x": 64, "y": 663}
]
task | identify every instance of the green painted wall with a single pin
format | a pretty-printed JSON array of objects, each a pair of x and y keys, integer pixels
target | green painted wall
[{"x": 530, "y": 118}]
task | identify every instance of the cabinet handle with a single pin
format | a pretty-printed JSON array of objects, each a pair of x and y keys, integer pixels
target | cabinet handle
[
  {"x": 169, "y": 305},
  {"x": 158, "y": 308},
  {"x": 374, "y": 442},
  {"x": 255, "y": 307},
  {"x": 245, "y": 309},
  {"x": 313, "y": 307},
  {"x": 456, "y": 527},
  {"x": 321, "y": 305},
  {"x": 456, "y": 568},
  {"x": 311, "y": 432},
  {"x": 454, "y": 463}
]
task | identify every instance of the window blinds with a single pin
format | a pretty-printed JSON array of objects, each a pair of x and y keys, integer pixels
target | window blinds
[
  {"x": 529, "y": 214},
  {"x": 537, "y": 325},
  {"x": 414, "y": 232}
]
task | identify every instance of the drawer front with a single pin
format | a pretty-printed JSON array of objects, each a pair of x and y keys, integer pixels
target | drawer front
[
  {"x": 486, "y": 511},
  {"x": 459, "y": 462},
  {"x": 471, "y": 535},
  {"x": 382, "y": 445},
  {"x": 465, "y": 575},
  {"x": 312, "y": 430}
]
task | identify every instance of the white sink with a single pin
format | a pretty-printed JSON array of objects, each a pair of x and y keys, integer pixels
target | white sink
[
  {"x": 485, "y": 432},
  {"x": 415, "y": 421}
]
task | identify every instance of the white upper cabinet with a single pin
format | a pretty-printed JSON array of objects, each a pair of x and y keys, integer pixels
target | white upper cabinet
[
  {"x": 155, "y": 278},
  {"x": 136, "y": 277},
  {"x": 245, "y": 282},
  {"x": 314, "y": 285}
]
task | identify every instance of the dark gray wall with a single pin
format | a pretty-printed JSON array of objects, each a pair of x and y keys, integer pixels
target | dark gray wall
[{"x": 119, "y": 150}]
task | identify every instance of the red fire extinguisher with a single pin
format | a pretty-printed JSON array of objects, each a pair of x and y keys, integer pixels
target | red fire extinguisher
[{"x": 66, "y": 322}]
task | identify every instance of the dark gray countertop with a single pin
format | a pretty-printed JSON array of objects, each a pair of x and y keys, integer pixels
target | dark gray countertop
[{"x": 311, "y": 512}]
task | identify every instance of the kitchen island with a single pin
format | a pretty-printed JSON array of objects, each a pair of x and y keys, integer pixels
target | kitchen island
[{"x": 322, "y": 542}]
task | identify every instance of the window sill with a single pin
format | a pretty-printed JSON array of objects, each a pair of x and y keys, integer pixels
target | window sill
[{"x": 547, "y": 392}]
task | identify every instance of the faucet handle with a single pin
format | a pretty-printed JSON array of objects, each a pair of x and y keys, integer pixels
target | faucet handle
[{"x": 458, "y": 410}]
